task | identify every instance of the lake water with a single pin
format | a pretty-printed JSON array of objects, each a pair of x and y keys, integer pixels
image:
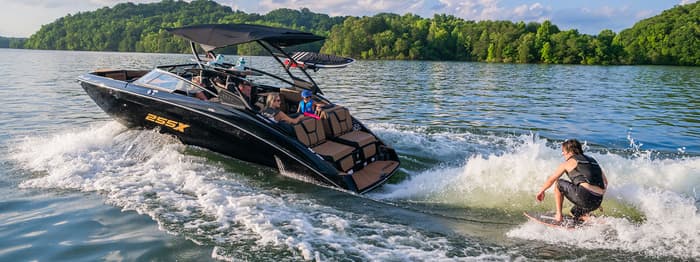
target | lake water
[{"x": 476, "y": 142}]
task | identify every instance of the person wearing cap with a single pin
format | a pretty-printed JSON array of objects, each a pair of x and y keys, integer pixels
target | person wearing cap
[
  {"x": 586, "y": 188},
  {"x": 307, "y": 104}
]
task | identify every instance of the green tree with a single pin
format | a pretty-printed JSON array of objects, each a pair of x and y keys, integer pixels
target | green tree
[
  {"x": 480, "y": 50},
  {"x": 546, "y": 53},
  {"x": 544, "y": 33},
  {"x": 526, "y": 48},
  {"x": 491, "y": 56}
]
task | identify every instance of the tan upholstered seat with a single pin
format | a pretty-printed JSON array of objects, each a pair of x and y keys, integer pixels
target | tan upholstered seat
[
  {"x": 291, "y": 98},
  {"x": 340, "y": 153},
  {"x": 337, "y": 123},
  {"x": 373, "y": 173},
  {"x": 364, "y": 140},
  {"x": 310, "y": 133}
]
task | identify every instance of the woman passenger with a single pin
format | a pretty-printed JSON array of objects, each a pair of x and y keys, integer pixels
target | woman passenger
[{"x": 272, "y": 111}]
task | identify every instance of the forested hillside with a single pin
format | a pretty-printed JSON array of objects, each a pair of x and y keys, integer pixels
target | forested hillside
[
  {"x": 673, "y": 37},
  {"x": 670, "y": 38},
  {"x": 141, "y": 27}
]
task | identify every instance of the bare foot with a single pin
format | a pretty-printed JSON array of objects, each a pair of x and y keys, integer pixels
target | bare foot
[{"x": 558, "y": 217}]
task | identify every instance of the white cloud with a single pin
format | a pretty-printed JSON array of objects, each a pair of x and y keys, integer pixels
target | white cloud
[
  {"x": 493, "y": 10},
  {"x": 72, "y": 4},
  {"x": 685, "y": 2},
  {"x": 644, "y": 14},
  {"x": 341, "y": 7},
  {"x": 471, "y": 9},
  {"x": 592, "y": 21},
  {"x": 467, "y": 9},
  {"x": 533, "y": 12}
]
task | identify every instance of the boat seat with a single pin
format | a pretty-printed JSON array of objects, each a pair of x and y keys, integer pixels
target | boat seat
[
  {"x": 337, "y": 124},
  {"x": 116, "y": 75},
  {"x": 122, "y": 75},
  {"x": 261, "y": 100},
  {"x": 229, "y": 98},
  {"x": 229, "y": 95},
  {"x": 309, "y": 131},
  {"x": 373, "y": 173},
  {"x": 291, "y": 98}
]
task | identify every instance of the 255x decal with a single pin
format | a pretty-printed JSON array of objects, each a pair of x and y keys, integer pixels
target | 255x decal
[{"x": 175, "y": 125}]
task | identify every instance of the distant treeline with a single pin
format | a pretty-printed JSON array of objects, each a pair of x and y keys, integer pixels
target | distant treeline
[
  {"x": 11, "y": 42},
  {"x": 671, "y": 38}
]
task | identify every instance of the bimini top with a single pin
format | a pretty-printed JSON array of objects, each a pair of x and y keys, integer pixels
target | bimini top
[{"x": 212, "y": 36}]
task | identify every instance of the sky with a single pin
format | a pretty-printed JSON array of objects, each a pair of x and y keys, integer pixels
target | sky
[{"x": 22, "y": 18}]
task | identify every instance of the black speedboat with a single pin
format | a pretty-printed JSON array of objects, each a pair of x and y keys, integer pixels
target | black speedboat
[{"x": 200, "y": 103}]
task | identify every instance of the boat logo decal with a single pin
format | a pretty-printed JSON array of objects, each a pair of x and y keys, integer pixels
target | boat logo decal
[{"x": 175, "y": 125}]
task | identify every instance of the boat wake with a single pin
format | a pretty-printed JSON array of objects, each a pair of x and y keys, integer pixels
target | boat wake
[
  {"x": 150, "y": 173},
  {"x": 651, "y": 206}
]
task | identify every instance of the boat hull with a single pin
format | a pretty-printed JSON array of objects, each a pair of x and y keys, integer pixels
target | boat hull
[{"x": 229, "y": 131}]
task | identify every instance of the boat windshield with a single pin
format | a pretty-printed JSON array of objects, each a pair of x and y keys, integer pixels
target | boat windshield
[{"x": 167, "y": 82}]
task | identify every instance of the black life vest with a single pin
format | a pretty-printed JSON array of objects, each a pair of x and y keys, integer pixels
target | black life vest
[{"x": 586, "y": 171}]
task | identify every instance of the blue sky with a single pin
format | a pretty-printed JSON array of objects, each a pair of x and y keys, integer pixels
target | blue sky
[{"x": 21, "y": 18}]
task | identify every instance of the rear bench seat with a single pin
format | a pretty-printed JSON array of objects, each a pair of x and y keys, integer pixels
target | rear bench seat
[
  {"x": 373, "y": 173},
  {"x": 310, "y": 132},
  {"x": 337, "y": 124}
]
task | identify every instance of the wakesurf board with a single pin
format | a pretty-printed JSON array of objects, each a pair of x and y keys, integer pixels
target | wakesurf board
[
  {"x": 316, "y": 61},
  {"x": 547, "y": 219}
]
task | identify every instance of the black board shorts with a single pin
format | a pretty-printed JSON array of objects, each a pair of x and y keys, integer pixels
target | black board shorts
[{"x": 584, "y": 201}]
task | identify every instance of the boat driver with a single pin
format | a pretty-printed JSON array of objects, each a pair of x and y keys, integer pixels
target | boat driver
[{"x": 244, "y": 87}]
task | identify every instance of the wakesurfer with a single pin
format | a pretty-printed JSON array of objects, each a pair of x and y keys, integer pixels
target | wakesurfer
[{"x": 587, "y": 185}]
